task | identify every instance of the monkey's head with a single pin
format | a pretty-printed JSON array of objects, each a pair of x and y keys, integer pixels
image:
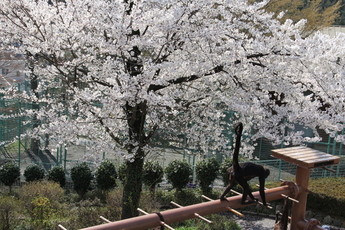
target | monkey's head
[
  {"x": 267, "y": 172},
  {"x": 239, "y": 128}
]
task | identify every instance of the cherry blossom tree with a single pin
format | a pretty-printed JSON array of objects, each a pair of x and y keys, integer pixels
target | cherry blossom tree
[{"x": 119, "y": 73}]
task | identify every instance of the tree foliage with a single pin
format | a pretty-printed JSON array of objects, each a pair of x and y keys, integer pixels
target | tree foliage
[
  {"x": 116, "y": 74},
  {"x": 178, "y": 173},
  {"x": 106, "y": 175},
  {"x": 81, "y": 176},
  {"x": 206, "y": 172},
  {"x": 9, "y": 174},
  {"x": 33, "y": 173}
]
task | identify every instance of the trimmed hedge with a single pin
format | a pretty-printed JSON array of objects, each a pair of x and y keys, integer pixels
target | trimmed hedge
[
  {"x": 206, "y": 172},
  {"x": 57, "y": 174},
  {"x": 106, "y": 175},
  {"x": 9, "y": 173},
  {"x": 81, "y": 176},
  {"x": 33, "y": 173},
  {"x": 178, "y": 173}
]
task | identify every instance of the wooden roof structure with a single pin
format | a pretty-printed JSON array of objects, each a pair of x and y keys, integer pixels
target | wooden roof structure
[{"x": 305, "y": 157}]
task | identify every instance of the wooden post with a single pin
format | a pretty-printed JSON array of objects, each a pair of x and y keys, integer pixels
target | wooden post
[{"x": 298, "y": 209}]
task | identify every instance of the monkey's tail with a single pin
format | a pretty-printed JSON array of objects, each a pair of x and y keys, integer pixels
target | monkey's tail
[{"x": 238, "y": 131}]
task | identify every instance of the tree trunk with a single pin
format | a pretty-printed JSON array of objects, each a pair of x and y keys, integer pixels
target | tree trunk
[
  {"x": 136, "y": 119},
  {"x": 133, "y": 183},
  {"x": 132, "y": 188}
]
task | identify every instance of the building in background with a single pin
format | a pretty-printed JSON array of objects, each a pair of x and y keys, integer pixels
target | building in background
[
  {"x": 12, "y": 68},
  {"x": 333, "y": 30}
]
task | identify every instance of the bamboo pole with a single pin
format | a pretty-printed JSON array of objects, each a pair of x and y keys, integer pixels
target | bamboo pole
[
  {"x": 228, "y": 208},
  {"x": 196, "y": 214}
]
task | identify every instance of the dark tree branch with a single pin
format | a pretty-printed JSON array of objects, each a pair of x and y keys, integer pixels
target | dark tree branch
[
  {"x": 111, "y": 134},
  {"x": 215, "y": 70},
  {"x": 190, "y": 78}
]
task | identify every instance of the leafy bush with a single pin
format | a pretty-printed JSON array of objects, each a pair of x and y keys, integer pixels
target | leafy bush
[
  {"x": 178, "y": 173},
  {"x": 9, "y": 173},
  {"x": 33, "y": 173},
  {"x": 81, "y": 176},
  {"x": 8, "y": 206},
  {"x": 164, "y": 197},
  {"x": 206, "y": 172},
  {"x": 122, "y": 172},
  {"x": 187, "y": 197},
  {"x": 148, "y": 202},
  {"x": 152, "y": 174},
  {"x": 48, "y": 189},
  {"x": 57, "y": 174},
  {"x": 85, "y": 214},
  {"x": 227, "y": 163},
  {"x": 41, "y": 213},
  {"x": 114, "y": 204},
  {"x": 41, "y": 205},
  {"x": 106, "y": 175}
]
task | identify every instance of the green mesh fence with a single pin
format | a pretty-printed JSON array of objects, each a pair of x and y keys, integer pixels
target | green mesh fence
[{"x": 18, "y": 149}]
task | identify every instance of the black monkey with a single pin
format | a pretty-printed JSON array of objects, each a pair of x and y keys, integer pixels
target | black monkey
[{"x": 242, "y": 173}]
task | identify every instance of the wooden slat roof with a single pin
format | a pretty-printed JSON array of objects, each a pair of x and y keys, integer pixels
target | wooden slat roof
[{"x": 305, "y": 157}]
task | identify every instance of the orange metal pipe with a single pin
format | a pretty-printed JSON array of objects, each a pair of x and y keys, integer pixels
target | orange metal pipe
[{"x": 187, "y": 212}]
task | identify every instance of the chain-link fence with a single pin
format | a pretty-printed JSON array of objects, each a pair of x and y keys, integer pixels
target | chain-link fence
[{"x": 15, "y": 148}]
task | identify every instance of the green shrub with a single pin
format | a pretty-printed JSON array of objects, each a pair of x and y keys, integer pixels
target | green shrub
[
  {"x": 206, "y": 172},
  {"x": 81, "y": 176},
  {"x": 9, "y": 173},
  {"x": 152, "y": 174},
  {"x": 164, "y": 197},
  {"x": 8, "y": 214},
  {"x": 48, "y": 189},
  {"x": 33, "y": 173},
  {"x": 178, "y": 173},
  {"x": 148, "y": 202},
  {"x": 41, "y": 205},
  {"x": 114, "y": 204},
  {"x": 106, "y": 175},
  {"x": 227, "y": 163},
  {"x": 184, "y": 197},
  {"x": 122, "y": 172},
  {"x": 41, "y": 213},
  {"x": 187, "y": 197},
  {"x": 57, "y": 174},
  {"x": 85, "y": 213}
]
